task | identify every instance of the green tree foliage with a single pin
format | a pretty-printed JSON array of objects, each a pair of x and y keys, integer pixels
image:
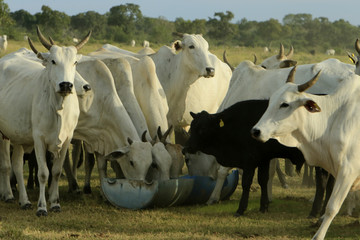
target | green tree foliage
[
  {"x": 125, "y": 22},
  {"x": 53, "y": 23},
  {"x": 83, "y": 22}
]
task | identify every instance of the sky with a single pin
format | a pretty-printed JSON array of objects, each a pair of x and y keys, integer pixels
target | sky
[{"x": 252, "y": 10}]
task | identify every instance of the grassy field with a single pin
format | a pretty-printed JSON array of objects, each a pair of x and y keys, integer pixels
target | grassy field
[
  {"x": 234, "y": 54},
  {"x": 91, "y": 217}
]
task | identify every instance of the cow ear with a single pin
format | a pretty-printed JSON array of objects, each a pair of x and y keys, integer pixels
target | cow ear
[
  {"x": 288, "y": 63},
  {"x": 193, "y": 115},
  {"x": 177, "y": 45},
  {"x": 352, "y": 57},
  {"x": 312, "y": 106}
]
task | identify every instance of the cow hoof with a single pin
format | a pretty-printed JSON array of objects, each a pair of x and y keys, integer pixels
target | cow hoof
[
  {"x": 26, "y": 206},
  {"x": 55, "y": 209},
  {"x": 10, "y": 200},
  {"x": 211, "y": 202},
  {"x": 238, "y": 214},
  {"x": 41, "y": 212}
]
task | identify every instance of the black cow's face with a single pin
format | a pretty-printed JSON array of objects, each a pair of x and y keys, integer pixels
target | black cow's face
[{"x": 202, "y": 132}]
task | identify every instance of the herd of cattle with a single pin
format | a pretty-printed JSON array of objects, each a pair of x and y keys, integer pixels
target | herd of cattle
[{"x": 148, "y": 112}]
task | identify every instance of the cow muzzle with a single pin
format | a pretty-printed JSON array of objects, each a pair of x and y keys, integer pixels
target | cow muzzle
[
  {"x": 87, "y": 87},
  {"x": 210, "y": 72},
  {"x": 255, "y": 133},
  {"x": 65, "y": 88}
]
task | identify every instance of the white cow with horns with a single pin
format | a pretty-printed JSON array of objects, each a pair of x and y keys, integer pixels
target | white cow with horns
[
  {"x": 324, "y": 128},
  {"x": 39, "y": 109}
]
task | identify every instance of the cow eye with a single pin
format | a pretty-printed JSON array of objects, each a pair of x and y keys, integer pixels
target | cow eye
[
  {"x": 53, "y": 62},
  {"x": 131, "y": 163},
  {"x": 263, "y": 67},
  {"x": 284, "y": 105},
  {"x": 76, "y": 62},
  {"x": 192, "y": 47}
]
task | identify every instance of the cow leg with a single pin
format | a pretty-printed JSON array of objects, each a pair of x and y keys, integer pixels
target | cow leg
[
  {"x": 320, "y": 180},
  {"x": 56, "y": 172},
  {"x": 216, "y": 193},
  {"x": 281, "y": 175},
  {"x": 247, "y": 178},
  {"x": 272, "y": 167},
  {"x": 263, "y": 177},
  {"x": 72, "y": 182},
  {"x": 289, "y": 168},
  {"x": 31, "y": 163},
  {"x": 43, "y": 176},
  {"x": 76, "y": 155},
  {"x": 89, "y": 165},
  {"x": 5, "y": 171},
  {"x": 343, "y": 183},
  {"x": 329, "y": 188},
  {"x": 18, "y": 168}
]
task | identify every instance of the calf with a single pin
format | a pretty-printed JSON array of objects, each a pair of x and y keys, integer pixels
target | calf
[{"x": 226, "y": 135}]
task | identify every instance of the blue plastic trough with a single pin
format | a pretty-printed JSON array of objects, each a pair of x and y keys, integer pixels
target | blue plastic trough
[
  {"x": 134, "y": 194},
  {"x": 204, "y": 186},
  {"x": 130, "y": 194}
]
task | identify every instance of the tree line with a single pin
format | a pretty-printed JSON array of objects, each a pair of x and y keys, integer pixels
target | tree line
[{"x": 125, "y": 22}]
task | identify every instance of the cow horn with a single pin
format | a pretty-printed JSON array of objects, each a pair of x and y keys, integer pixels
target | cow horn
[
  {"x": 304, "y": 86},
  {"x": 281, "y": 51},
  {"x": 34, "y": 49},
  {"x": 166, "y": 134},
  {"x": 42, "y": 39},
  {"x": 357, "y": 46},
  {"x": 84, "y": 41},
  {"x": 291, "y": 75},
  {"x": 255, "y": 58},
  {"x": 226, "y": 61},
  {"x": 291, "y": 52},
  {"x": 51, "y": 41}
]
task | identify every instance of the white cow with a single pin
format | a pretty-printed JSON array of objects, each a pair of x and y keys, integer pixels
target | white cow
[
  {"x": 177, "y": 72},
  {"x": 132, "y": 43},
  {"x": 146, "y": 43},
  {"x": 324, "y": 128},
  {"x": 43, "y": 117},
  {"x": 330, "y": 52},
  {"x": 279, "y": 61},
  {"x": 3, "y": 43},
  {"x": 148, "y": 91}
]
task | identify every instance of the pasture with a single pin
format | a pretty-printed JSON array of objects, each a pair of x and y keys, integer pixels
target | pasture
[{"x": 91, "y": 217}]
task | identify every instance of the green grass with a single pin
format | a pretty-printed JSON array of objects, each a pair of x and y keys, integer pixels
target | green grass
[{"x": 91, "y": 217}]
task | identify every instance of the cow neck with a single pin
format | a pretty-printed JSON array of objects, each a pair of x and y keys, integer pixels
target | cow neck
[
  {"x": 177, "y": 93},
  {"x": 317, "y": 128},
  {"x": 105, "y": 140}
]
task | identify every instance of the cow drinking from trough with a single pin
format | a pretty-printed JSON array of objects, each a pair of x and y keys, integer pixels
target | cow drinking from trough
[{"x": 226, "y": 135}]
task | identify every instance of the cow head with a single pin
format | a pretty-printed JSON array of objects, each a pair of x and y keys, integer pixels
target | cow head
[
  {"x": 287, "y": 110},
  {"x": 202, "y": 129},
  {"x": 280, "y": 61},
  {"x": 60, "y": 63},
  {"x": 134, "y": 159},
  {"x": 195, "y": 50},
  {"x": 355, "y": 59}
]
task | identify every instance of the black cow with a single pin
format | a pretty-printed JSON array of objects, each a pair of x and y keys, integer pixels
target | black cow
[{"x": 226, "y": 135}]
